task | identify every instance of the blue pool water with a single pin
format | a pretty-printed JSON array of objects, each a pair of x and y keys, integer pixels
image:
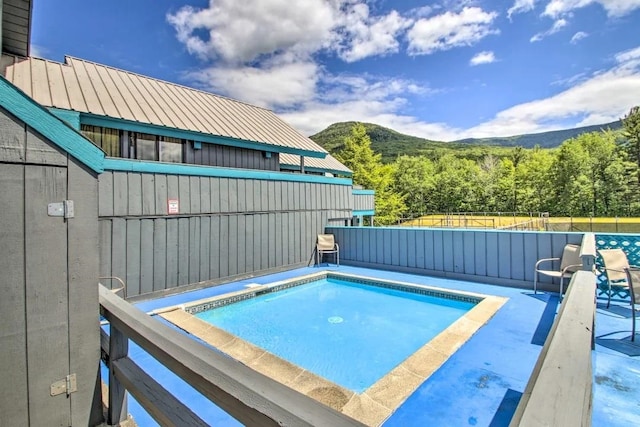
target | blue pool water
[{"x": 349, "y": 333}]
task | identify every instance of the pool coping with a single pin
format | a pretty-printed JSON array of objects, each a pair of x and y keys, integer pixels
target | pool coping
[{"x": 379, "y": 401}]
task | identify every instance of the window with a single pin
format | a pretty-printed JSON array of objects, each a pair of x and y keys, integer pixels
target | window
[
  {"x": 153, "y": 147},
  {"x": 105, "y": 138},
  {"x": 145, "y": 146},
  {"x": 170, "y": 149},
  {"x": 141, "y": 146}
]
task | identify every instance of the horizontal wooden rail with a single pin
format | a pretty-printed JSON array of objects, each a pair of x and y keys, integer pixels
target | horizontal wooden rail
[
  {"x": 153, "y": 397},
  {"x": 559, "y": 392},
  {"x": 243, "y": 393}
]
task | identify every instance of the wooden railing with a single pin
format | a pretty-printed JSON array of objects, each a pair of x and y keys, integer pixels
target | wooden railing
[
  {"x": 247, "y": 395},
  {"x": 560, "y": 389}
]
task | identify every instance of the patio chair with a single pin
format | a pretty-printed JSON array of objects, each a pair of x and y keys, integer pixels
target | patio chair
[
  {"x": 569, "y": 264},
  {"x": 614, "y": 262},
  {"x": 633, "y": 280},
  {"x": 326, "y": 244}
]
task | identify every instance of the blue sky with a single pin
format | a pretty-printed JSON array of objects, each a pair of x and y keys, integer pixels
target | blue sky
[{"x": 440, "y": 70}]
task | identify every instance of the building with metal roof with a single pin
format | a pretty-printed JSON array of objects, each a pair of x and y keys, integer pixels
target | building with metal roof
[{"x": 88, "y": 94}]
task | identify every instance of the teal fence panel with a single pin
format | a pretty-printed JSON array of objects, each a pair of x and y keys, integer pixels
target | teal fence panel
[{"x": 630, "y": 244}]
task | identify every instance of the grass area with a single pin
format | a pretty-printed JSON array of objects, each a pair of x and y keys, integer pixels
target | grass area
[{"x": 511, "y": 222}]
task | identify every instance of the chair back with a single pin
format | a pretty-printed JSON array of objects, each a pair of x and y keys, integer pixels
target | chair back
[
  {"x": 326, "y": 242},
  {"x": 571, "y": 256},
  {"x": 615, "y": 261},
  {"x": 633, "y": 281}
]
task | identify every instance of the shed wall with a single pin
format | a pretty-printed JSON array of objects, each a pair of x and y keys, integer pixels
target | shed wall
[
  {"x": 225, "y": 226},
  {"x": 49, "y": 285}
]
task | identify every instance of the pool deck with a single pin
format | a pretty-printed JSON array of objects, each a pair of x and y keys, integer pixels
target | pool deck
[{"x": 481, "y": 384}]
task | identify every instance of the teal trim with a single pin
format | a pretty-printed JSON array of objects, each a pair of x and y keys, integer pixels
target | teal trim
[
  {"x": 364, "y": 213},
  {"x": 71, "y": 117},
  {"x": 116, "y": 164},
  {"x": 51, "y": 127},
  {"x": 358, "y": 192},
  {"x": 197, "y": 145},
  {"x": 91, "y": 119},
  {"x": 313, "y": 169}
]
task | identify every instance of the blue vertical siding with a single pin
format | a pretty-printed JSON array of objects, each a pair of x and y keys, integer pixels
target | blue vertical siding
[{"x": 504, "y": 257}]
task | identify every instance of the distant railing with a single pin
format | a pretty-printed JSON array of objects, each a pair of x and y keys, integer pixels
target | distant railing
[
  {"x": 482, "y": 220},
  {"x": 247, "y": 395},
  {"x": 535, "y": 221}
]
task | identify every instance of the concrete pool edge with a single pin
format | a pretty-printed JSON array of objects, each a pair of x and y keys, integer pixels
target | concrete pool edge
[{"x": 379, "y": 401}]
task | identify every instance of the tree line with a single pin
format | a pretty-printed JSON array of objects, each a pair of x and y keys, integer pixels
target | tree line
[{"x": 595, "y": 174}]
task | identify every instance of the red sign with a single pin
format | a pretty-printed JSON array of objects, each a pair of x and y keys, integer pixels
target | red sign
[{"x": 173, "y": 206}]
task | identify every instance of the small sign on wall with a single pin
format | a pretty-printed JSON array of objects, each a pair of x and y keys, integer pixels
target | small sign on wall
[{"x": 173, "y": 206}]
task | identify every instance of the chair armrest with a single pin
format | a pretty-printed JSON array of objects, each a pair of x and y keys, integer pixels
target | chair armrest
[
  {"x": 337, "y": 247},
  {"x": 564, "y": 270},
  {"x": 540, "y": 261}
]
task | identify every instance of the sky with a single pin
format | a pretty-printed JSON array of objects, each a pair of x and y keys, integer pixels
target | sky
[{"x": 441, "y": 70}]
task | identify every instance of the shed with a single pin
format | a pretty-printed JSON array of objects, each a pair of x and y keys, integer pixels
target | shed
[{"x": 49, "y": 326}]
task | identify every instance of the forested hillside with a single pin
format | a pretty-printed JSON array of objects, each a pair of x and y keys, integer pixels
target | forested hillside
[
  {"x": 544, "y": 139},
  {"x": 391, "y": 144},
  {"x": 592, "y": 174}
]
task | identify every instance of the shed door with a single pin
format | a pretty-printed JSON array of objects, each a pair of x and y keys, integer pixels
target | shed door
[{"x": 46, "y": 295}]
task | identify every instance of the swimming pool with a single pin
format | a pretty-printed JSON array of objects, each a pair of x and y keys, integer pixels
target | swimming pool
[
  {"x": 347, "y": 332},
  {"x": 370, "y": 400}
]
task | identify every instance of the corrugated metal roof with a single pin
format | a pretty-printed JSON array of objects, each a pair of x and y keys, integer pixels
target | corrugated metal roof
[
  {"x": 88, "y": 87},
  {"x": 329, "y": 163},
  {"x": 16, "y": 26}
]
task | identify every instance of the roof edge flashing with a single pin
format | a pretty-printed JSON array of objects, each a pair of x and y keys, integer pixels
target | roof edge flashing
[{"x": 50, "y": 126}]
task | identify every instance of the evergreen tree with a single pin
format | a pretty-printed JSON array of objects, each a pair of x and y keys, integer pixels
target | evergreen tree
[
  {"x": 631, "y": 131},
  {"x": 370, "y": 173}
]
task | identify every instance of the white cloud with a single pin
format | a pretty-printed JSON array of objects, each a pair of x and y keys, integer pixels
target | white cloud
[
  {"x": 614, "y": 8},
  {"x": 603, "y": 97},
  {"x": 240, "y": 31},
  {"x": 521, "y": 6},
  {"x": 571, "y": 81},
  {"x": 449, "y": 30},
  {"x": 370, "y": 36},
  {"x": 628, "y": 56},
  {"x": 244, "y": 31},
  {"x": 578, "y": 36},
  {"x": 38, "y": 51},
  {"x": 272, "y": 86},
  {"x": 557, "y": 26},
  {"x": 485, "y": 57},
  {"x": 268, "y": 55}
]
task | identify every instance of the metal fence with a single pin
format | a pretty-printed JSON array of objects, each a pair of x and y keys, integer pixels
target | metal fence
[{"x": 533, "y": 221}]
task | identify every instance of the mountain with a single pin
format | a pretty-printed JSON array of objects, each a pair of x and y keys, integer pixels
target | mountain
[
  {"x": 544, "y": 139},
  {"x": 391, "y": 144}
]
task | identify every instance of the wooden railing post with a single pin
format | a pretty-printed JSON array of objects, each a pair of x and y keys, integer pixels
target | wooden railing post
[
  {"x": 588, "y": 251},
  {"x": 118, "y": 349}
]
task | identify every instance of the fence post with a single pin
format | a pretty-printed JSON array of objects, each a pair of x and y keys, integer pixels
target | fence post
[{"x": 118, "y": 348}]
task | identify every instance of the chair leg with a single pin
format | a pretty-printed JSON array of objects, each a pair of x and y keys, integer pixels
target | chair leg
[
  {"x": 535, "y": 282},
  {"x": 561, "y": 287},
  {"x": 633, "y": 322},
  {"x": 609, "y": 295}
]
